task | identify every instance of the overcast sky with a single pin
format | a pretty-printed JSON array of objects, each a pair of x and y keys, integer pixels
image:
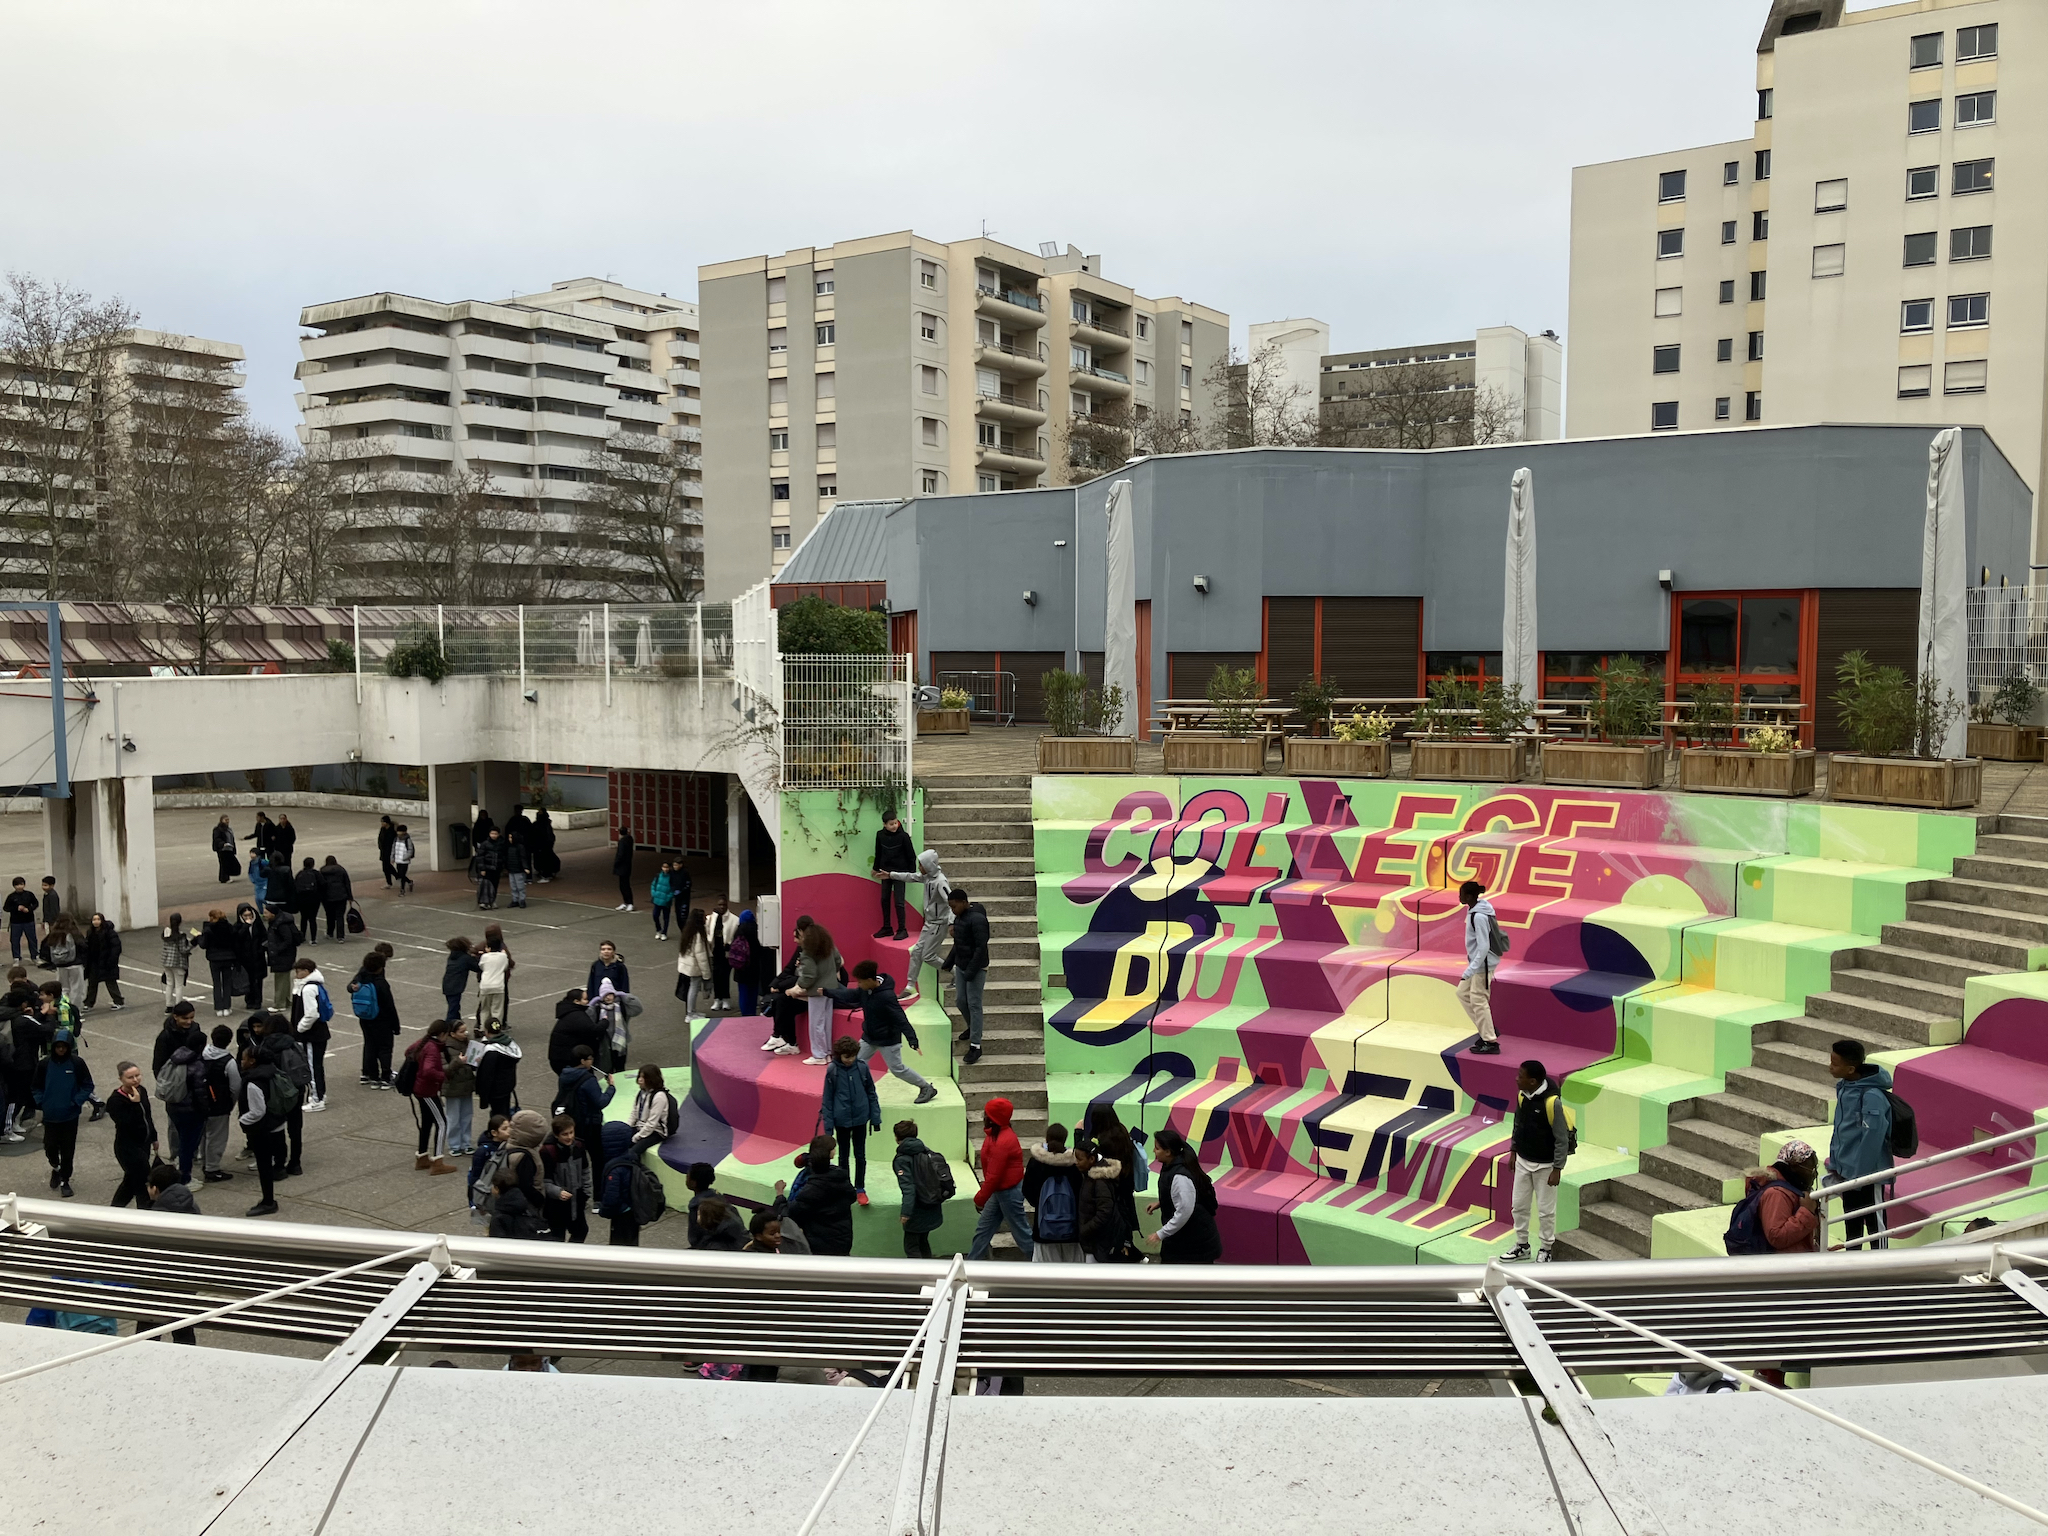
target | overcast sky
[{"x": 1402, "y": 171}]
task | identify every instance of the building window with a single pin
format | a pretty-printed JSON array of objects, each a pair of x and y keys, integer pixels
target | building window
[
  {"x": 1079, "y": 403},
  {"x": 778, "y": 339},
  {"x": 1829, "y": 260},
  {"x": 1970, "y": 244},
  {"x": 1753, "y": 405},
  {"x": 930, "y": 480},
  {"x": 1663, "y": 415},
  {"x": 1078, "y": 357},
  {"x": 828, "y": 488},
  {"x": 1764, "y": 103},
  {"x": 928, "y": 380},
  {"x": 1669, "y": 302},
  {"x": 827, "y": 335},
  {"x": 778, "y": 290},
  {"x": 1923, "y": 181},
  {"x": 1670, "y": 242},
  {"x": 987, "y": 434},
  {"x": 1079, "y": 309},
  {"x": 988, "y": 383},
  {"x": 1144, "y": 327},
  {"x": 1720, "y": 408},
  {"x": 928, "y": 328},
  {"x": 1763, "y": 165},
  {"x": 1724, "y": 350},
  {"x": 1977, "y": 109},
  {"x": 1968, "y": 309},
  {"x": 828, "y": 437},
  {"x": 778, "y": 442},
  {"x": 1727, "y": 290},
  {"x": 827, "y": 386},
  {"x": 1828, "y": 196},
  {"x": 823, "y": 285},
  {"x": 1731, "y": 173},
  {"x": 1187, "y": 377},
  {"x": 1916, "y": 381},
  {"x": 1979, "y": 42},
  {"x": 928, "y": 274},
  {"x": 1756, "y": 287},
  {"x": 929, "y": 428},
  {"x": 1923, "y": 116},
  {"x": 1966, "y": 378},
  {"x": 984, "y": 482},
  {"x": 1727, "y": 231},
  {"x": 778, "y": 490},
  {"x": 1920, "y": 249},
  {"x": 1187, "y": 334},
  {"x": 1916, "y": 315},
  {"x": 1924, "y": 51},
  {"x": 1144, "y": 371},
  {"x": 1971, "y": 176},
  {"x": 1760, "y": 225},
  {"x": 1750, "y": 639},
  {"x": 1671, "y": 186},
  {"x": 1664, "y": 359},
  {"x": 778, "y": 391},
  {"x": 781, "y": 538},
  {"x": 1756, "y": 346}
]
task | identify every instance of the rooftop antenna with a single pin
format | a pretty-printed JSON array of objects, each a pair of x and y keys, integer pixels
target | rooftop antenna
[{"x": 985, "y": 230}]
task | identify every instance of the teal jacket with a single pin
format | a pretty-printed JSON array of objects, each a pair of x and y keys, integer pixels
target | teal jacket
[
  {"x": 1862, "y": 1142},
  {"x": 662, "y": 889}
]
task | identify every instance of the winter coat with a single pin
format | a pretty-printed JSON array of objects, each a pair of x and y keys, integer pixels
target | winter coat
[
  {"x": 284, "y": 837},
  {"x": 1002, "y": 1158},
  {"x": 455, "y": 973},
  {"x": 882, "y": 1019},
  {"x": 494, "y": 971},
  {"x": 894, "y": 851},
  {"x": 1101, "y": 1226},
  {"x": 102, "y": 954},
  {"x": 223, "y": 1080},
  {"x": 815, "y": 975},
  {"x": 600, "y": 973},
  {"x": 177, "y": 953},
  {"x": 923, "y": 1218},
  {"x": 62, "y": 1084},
  {"x": 429, "y": 1075},
  {"x": 730, "y": 1236},
  {"x": 695, "y": 958},
  {"x": 489, "y": 859},
  {"x": 622, "y": 858},
  {"x": 1787, "y": 1225},
  {"x": 249, "y": 945},
  {"x": 663, "y": 891},
  {"x": 849, "y": 1098},
  {"x": 134, "y": 1120},
  {"x": 170, "y": 1036},
  {"x": 970, "y": 941},
  {"x": 387, "y": 1007},
  {"x": 497, "y": 1071},
  {"x": 513, "y": 1215},
  {"x": 1043, "y": 1166},
  {"x": 583, "y": 1096},
  {"x": 1862, "y": 1141},
  {"x": 655, "y": 1114},
  {"x": 220, "y": 942},
  {"x": 458, "y": 1072},
  {"x": 224, "y": 839},
  {"x": 176, "y": 1200},
  {"x": 1479, "y": 926},
  {"x": 33, "y": 1035},
  {"x": 281, "y": 943},
  {"x": 306, "y": 886},
  {"x": 334, "y": 883},
  {"x": 313, "y": 1031},
  {"x": 573, "y": 1027},
  {"x": 823, "y": 1207},
  {"x": 565, "y": 1170}
]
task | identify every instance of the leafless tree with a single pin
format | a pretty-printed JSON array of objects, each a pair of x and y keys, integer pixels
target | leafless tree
[
  {"x": 320, "y": 492},
  {"x": 1497, "y": 417},
  {"x": 641, "y": 537},
  {"x": 58, "y": 387},
  {"x": 1408, "y": 405},
  {"x": 1261, "y": 406},
  {"x": 460, "y": 538},
  {"x": 1096, "y": 443}
]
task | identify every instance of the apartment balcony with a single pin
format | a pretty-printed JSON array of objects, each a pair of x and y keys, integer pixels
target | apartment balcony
[
  {"x": 494, "y": 416},
  {"x": 595, "y": 428},
  {"x": 651, "y": 412},
  {"x": 376, "y": 339},
  {"x": 685, "y": 378},
  {"x": 686, "y": 432},
  {"x": 1019, "y": 311},
  {"x": 1104, "y": 382},
  {"x": 1008, "y": 461},
  {"x": 1102, "y": 335},
  {"x": 395, "y": 444},
  {"x": 341, "y": 381},
  {"x": 1004, "y": 358},
  {"x": 342, "y": 418},
  {"x": 1015, "y": 409}
]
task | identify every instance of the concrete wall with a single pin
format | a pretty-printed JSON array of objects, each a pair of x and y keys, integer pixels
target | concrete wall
[
  {"x": 1775, "y": 508},
  {"x": 879, "y": 399},
  {"x": 734, "y": 313}
]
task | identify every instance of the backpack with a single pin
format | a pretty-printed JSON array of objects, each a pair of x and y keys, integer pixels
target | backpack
[
  {"x": 355, "y": 919},
  {"x": 739, "y": 954},
  {"x": 650, "y": 1203},
  {"x": 480, "y": 1197},
  {"x": 615, "y": 1187},
  {"x": 291, "y": 1066},
  {"x": 1496, "y": 941},
  {"x": 326, "y": 1003},
  {"x": 1058, "y": 1219},
  {"x": 285, "y": 1096},
  {"x": 362, "y": 1002},
  {"x": 931, "y": 1178},
  {"x": 1745, "y": 1234},
  {"x": 174, "y": 1083},
  {"x": 408, "y": 1073},
  {"x": 1905, "y": 1128}
]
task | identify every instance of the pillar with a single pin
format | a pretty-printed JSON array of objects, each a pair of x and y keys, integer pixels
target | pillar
[
  {"x": 68, "y": 848},
  {"x": 497, "y": 789},
  {"x": 448, "y": 801},
  {"x": 101, "y": 846},
  {"x": 736, "y": 840}
]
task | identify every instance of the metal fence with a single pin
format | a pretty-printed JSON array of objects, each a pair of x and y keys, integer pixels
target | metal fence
[
  {"x": 990, "y": 695},
  {"x": 847, "y": 723},
  {"x": 2008, "y": 633},
  {"x": 674, "y": 640}
]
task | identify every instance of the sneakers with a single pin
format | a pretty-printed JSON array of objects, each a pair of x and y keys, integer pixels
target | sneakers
[
  {"x": 973, "y": 1055},
  {"x": 367, "y": 1081},
  {"x": 293, "y": 1171},
  {"x": 966, "y": 1035},
  {"x": 262, "y": 1208},
  {"x": 860, "y": 1197},
  {"x": 218, "y": 1176},
  {"x": 926, "y": 1094},
  {"x": 64, "y": 1189},
  {"x": 814, "y": 1061},
  {"x": 99, "y": 1113},
  {"x": 771, "y": 1044},
  {"x": 624, "y": 906},
  {"x": 784, "y": 1048},
  {"x": 384, "y": 1084},
  {"x": 659, "y": 936},
  {"x": 1484, "y": 1048},
  {"x": 55, "y": 1178},
  {"x": 885, "y": 933},
  {"x": 314, "y": 1106},
  {"x": 14, "y": 1136},
  {"x": 902, "y": 933},
  {"x": 1518, "y": 1255},
  {"x": 1543, "y": 1256}
]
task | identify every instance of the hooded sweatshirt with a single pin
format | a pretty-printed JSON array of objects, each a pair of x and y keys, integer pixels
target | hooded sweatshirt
[
  {"x": 849, "y": 1100},
  {"x": 1043, "y": 1167},
  {"x": 1002, "y": 1158},
  {"x": 1862, "y": 1140},
  {"x": 923, "y": 1218},
  {"x": 497, "y": 1068},
  {"x": 970, "y": 940},
  {"x": 63, "y": 1083},
  {"x": 176, "y": 1199},
  {"x": 895, "y": 853},
  {"x": 307, "y": 991},
  {"x": 1479, "y": 926},
  {"x": 882, "y": 1019},
  {"x": 223, "y": 1080}
]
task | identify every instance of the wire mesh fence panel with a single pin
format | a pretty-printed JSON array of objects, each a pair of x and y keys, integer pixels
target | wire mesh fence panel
[
  {"x": 641, "y": 639},
  {"x": 2008, "y": 633},
  {"x": 846, "y": 722},
  {"x": 990, "y": 695},
  {"x": 480, "y": 642}
]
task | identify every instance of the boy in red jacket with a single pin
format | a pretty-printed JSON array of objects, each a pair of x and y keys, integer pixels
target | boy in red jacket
[{"x": 1001, "y": 1196}]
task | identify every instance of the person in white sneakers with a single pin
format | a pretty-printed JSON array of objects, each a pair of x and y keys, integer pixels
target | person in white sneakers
[
  {"x": 312, "y": 1014},
  {"x": 622, "y": 866},
  {"x": 1542, "y": 1140},
  {"x": 693, "y": 964}
]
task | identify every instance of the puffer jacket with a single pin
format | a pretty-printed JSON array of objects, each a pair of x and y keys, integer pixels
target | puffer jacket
[
  {"x": 849, "y": 1097},
  {"x": 431, "y": 1075}
]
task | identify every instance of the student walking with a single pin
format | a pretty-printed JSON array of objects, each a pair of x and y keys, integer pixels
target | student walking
[
  {"x": 1052, "y": 1188},
  {"x": 62, "y": 1088},
  {"x": 224, "y": 850},
  {"x": 402, "y": 852},
  {"x": 1541, "y": 1137},
  {"x": 65, "y": 954},
  {"x": 387, "y": 841},
  {"x": 1861, "y": 1142},
  {"x": 895, "y": 861},
  {"x": 849, "y": 1109},
  {"x": 693, "y": 964},
  {"x": 426, "y": 1073},
  {"x": 967, "y": 962},
  {"x": 1484, "y": 945},
  {"x": 177, "y": 958},
  {"x": 921, "y": 1189},
  {"x": 306, "y": 900},
  {"x": 102, "y": 961},
  {"x": 135, "y": 1138},
  {"x": 455, "y": 973},
  {"x": 1188, "y": 1235},
  {"x": 660, "y": 895},
  {"x": 1000, "y": 1198},
  {"x": 818, "y": 969},
  {"x": 935, "y": 937},
  {"x": 884, "y": 1026},
  {"x": 312, "y": 1019}
]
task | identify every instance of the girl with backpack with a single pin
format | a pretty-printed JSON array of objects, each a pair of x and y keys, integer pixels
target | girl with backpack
[
  {"x": 313, "y": 1013},
  {"x": 655, "y": 1115},
  {"x": 1188, "y": 1235},
  {"x": 693, "y": 964},
  {"x": 423, "y": 1075},
  {"x": 370, "y": 1000},
  {"x": 1052, "y": 1188},
  {"x": 660, "y": 895}
]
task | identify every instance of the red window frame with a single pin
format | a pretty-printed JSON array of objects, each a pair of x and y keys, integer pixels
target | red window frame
[{"x": 1803, "y": 677}]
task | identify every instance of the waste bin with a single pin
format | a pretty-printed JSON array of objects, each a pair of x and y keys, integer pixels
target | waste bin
[{"x": 458, "y": 841}]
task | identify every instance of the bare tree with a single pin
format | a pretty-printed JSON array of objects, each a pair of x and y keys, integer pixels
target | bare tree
[
  {"x": 640, "y": 533},
  {"x": 1096, "y": 443},
  {"x": 1262, "y": 407},
  {"x": 460, "y": 538},
  {"x": 1497, "y": 417},
  {"x": 57, "y": 388},
  {"x": 1408, "y": 405},
  {"x": 319, "y": 493}
]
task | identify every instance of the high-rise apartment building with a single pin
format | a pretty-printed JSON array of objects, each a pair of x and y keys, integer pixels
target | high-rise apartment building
[
  {"x": 522, "y": 405},
  {"x": 1502, "y": 385},
  {"x": 1875, "y": 249},
  {"x": 900, "y": 366}
]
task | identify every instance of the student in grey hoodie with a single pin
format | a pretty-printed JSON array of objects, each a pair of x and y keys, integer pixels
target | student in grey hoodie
[
  {"x": 1475, "y": 987},
  {"x": 936, "y": 936}
]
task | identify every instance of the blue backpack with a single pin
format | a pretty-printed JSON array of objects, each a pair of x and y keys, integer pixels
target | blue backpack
[
  {"x": 1745, "y": 1234},
  {"x": 327, "y": 1004},
  {"x": 1059, "y": 1221},
  {"x": 363, "y": 1002}
]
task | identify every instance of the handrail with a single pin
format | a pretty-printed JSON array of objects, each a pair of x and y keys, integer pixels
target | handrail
[{"x": 1886, "y": 1176}]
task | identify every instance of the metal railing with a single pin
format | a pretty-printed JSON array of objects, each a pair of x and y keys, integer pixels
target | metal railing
[
  {"x": 2008, "y": 633},
  {"x": 622, "y": 640},
  {"x": 848, "y": 723},
  {"x": 1885, "y": 1178},
  {"x": 1012, "y": 296},
  {"x": 991, "y": 695}
]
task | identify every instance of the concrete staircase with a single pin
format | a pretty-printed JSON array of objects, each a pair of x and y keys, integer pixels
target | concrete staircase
[
  {"x": 1905, "y": 991},
  {"x": 981, "y": 827}
]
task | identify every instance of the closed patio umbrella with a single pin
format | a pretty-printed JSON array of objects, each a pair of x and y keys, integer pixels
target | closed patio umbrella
[
  {"x": 1518, "y": 611},
  {"x": 1120, "y": 618},
  {"x": 643, "y": 645},
  {"x": 1943, "y": 651}
]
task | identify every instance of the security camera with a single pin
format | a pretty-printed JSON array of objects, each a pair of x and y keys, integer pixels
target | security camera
[
  {"x": 1202, "y": 585},
  {"x": 127, "y": 743},
  {"x": 1030, "y": 597}
]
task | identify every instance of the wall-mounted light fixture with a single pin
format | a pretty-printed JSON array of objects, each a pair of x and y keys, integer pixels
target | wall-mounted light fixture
[
  {"x": 531, "y": 695},
  {"x": 1030, "y": 597},
  {"x": 1202, "y": 585},
  {"x": 1059, "y": 543},
  {"x": 1664, "y": 580}
]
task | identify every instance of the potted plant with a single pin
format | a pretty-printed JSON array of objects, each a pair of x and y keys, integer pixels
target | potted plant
[
  {"x": 1081, "y": 727},
  {"x": 1998, "y": 726},
  {"x": 1628, "y": 711},
  {"x": 950, "y": 718},
  {"x": 1315, "y": 699},
  {"x": 1236, "y": 745},
  {"x": 1362, "y": 748},
  {"x": 1764, "y": 760},
  {"x": 1887, "y": 716},
  {"x": 1463, "y": 731}
]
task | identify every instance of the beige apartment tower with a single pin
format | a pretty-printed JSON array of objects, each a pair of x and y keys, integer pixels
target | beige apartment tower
[
  {"x": 898, "y": 366},
  {"x": 1875, "y": 250}
]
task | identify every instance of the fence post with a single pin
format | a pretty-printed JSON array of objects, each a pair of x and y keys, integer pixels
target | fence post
[
  {"x": 359, "y": 652},
  {"x": 697, "y": 644},
  {"x": 440, "y": 631},
  {"x": 522, "y": 650},
  {"x": 607, "y": 654}
]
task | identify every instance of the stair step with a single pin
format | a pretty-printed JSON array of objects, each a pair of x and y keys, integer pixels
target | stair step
[
  {"x": 1926, "y": 965},
  {"x": 1951, "y": 943},
  {"x": 1819, "y": 1033},
  {"x": 1652, "y": 1196},
  {"x": 1935, "y": 999},
  {"x": 1750, "y": 1116},
  {"x": 1583, "y": 1245},
  {"x": 978, "y": 1091},
  {"x": 937, "y": 783},
  {"x": 2027, "y": 927},
  {"x": 2013, "y": 845},
  {"x": 2025, "y": 826},
  {"x": 1801, "y": 1063},
  {"x": 2003, "y": 871},
  {"x": 1711, "y": 1142},
  {"x": 1625, "y": 1228},
  {"x": 1008, "y": 1064},
  {"x": 1803, "y": 1100},
  {"x": 1986, "y": 893},
  {"x": 1702, "y": 1177},
  {"x": 979, "y": 850}
]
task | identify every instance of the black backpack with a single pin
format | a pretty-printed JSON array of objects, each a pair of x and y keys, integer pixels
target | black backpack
[
  {"x": 1745, "y": 1234},
  {"x": 931, "y": 1178},
  {"x": 1905, "y": 1140}
]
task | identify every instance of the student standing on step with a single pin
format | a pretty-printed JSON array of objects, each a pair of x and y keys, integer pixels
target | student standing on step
[
  {"x": 967, "y": 960},
  {"x": 1862, "y": 1140},
  {"x": 817, "y": 970},
  {"x": 1542, "y": 1140},
  {"x": 895, "y": 861},
  {"x": 1475, "y": 987},
  {"x": 935, "y": 937},
  {"x": 1001, "y": 1197}
]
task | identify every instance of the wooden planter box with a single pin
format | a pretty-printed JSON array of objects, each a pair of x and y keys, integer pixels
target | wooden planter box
[
  {"x": 1940, "y": 784},
  {"x": 1339, "y": 759},
  {"x": 1608, "y": 764},
  {"x": 2005, "y": 743},
  {"x": 942, "y": 722},
  {"x": 1732, "y": 771},
  {"x": 1480, "y": 762},
  {"x": 1087, "y": 754},
  {"x": 1207, "y": 752}
]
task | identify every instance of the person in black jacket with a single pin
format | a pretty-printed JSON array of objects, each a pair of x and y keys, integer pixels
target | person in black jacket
[
  {"x": 335, "y": 895},
  {"x": 30, "y": 1033},
  {"x": 488, "y": 863},
  {"x": 967, "y": 960},
  {"x": 574, "y": 1027},
  {"x": 220, "y": 944},
  {"x": 622, "y": 866},
  {"x": 387, "y": 838},
  {"x": 306, "y": 900},
  {"x": 102, "y": 960},
  {"x": 251, "y": 953},
  {"x": 380, "y": 1029},
  {"x": 1188, "y": 1235},
  {"x": 284, "y": 837},
  {"x": 224, "y": 846},
  {"x": 823, "y": 1202},
  {"x": 496, "y": 1056},
  {"x": 281, "y": 953},
  {"x": 542, "y": 841},
  {"x": 883, "y": 1024},
  {"x": 894, "y": 857},
  {"x": 609, "y": 966},
  {"x": 135, "y": 1140}
]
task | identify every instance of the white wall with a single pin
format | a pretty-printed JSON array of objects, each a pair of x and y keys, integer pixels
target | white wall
[{"x": 1302, "y": 344}]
